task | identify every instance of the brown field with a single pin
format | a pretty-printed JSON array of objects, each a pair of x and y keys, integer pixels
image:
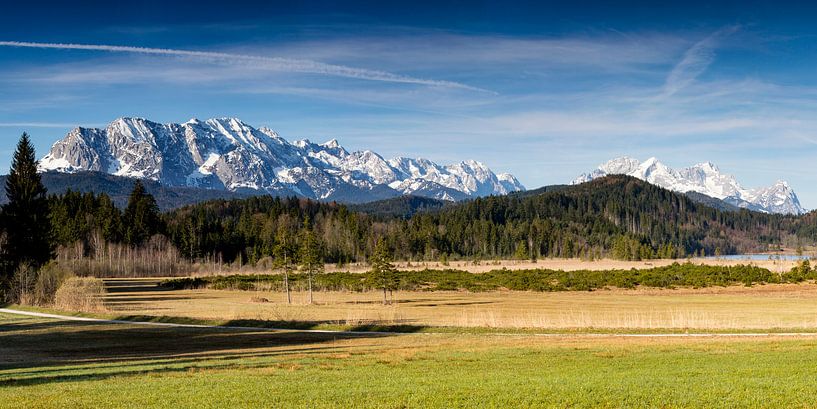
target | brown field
[
  {"x": 782, "y": 306},
  {"x": 550, "y": 263}
]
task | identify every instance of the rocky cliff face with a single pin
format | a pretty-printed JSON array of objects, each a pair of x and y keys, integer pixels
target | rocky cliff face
[{"x": 226, "y": 153}]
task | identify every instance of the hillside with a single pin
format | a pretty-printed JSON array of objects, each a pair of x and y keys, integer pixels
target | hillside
[
  {"x": 399, "y": 207},
  {"x": 616, "y": 216},
  {"x": 119, "y": 187}
]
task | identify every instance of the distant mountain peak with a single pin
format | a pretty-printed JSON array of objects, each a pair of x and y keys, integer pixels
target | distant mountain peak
[
  {"x": 227, "y": 153},
  {"x": 705, "y": 178},
  {"x": 332, "y": 143},
  {"x": 708, "y": 166}
]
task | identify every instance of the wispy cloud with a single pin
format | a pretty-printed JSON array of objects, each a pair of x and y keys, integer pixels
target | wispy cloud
[
  {"x": 269, "y": 63},
  {"x": 695, "y": 61},
  {"x": 37, "y": 125}
]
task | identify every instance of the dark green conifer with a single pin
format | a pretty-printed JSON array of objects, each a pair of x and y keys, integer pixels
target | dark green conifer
[
  {"x": 26, "y": 215},
  {"x": 141, "y": 218}
]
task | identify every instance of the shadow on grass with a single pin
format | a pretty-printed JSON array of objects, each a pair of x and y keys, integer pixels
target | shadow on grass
[
  {"x": 130, "y": 286},
  {"x": 110, "y": 299},
  {"x": 37, "y": 351},
  {"x": 398, "y": 326}
]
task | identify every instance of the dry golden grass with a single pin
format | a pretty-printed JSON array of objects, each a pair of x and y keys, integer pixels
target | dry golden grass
[
  {"x": 80, "y": 294},
  {"x": 759, "y": 307},
  {"x": 551, "y": 263}
]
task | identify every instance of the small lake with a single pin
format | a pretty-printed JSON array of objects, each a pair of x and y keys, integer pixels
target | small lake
[{"x": 762, "y": 257}]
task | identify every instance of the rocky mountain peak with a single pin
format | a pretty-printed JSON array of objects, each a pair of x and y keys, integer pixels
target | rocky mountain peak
[
  {"x": 227, "y": 153},
  {"x": 705, "y": 178}
]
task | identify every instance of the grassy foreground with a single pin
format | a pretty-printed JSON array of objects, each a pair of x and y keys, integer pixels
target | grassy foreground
[{"x": 45, "y": 363}]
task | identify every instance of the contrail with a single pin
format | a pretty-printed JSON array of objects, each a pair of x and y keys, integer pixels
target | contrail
[
  {"x": 270, "y": 63},
  {"x": 695, "y": 61}
]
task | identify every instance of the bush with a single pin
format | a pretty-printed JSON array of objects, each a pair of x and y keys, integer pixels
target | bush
[
  {"x": 23, "y": 281},
  {"x": 33, "y": 287},
  {"x": 49, "y": 280},
  {"x": 80, "y": 294},
  {"x": 187, "y": 283},
  {"x": 675, "y": 275},
  {"x": 801, "y": 272}
]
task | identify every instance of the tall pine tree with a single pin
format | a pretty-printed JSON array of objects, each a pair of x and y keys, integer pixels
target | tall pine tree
[
  {"x": 311, "y": 255},
  {"x": 26, "y": 215},
  {"x": 383, "y": 269},
  {"x": 141, "y": 218}
]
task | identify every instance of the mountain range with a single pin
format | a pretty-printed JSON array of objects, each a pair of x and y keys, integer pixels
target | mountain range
[
  {"x": 228, "y": 154},
  {"x": 703, "y": 178}
]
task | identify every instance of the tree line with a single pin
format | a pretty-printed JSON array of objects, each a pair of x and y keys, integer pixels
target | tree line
[{"x": 618, "y": 216}]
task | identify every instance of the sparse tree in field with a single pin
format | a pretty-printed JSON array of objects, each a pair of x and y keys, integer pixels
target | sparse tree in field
[
  {"x": 283, "y": 256},
  {"x": 383, "y": 269},
  {"x": 311, "y": 255},
  {"x": 141, "y": 217},
  {"x": 26, "y": 215},
  {"x": 521, "y": 251}
]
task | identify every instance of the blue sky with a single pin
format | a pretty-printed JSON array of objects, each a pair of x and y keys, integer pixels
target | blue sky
[{"x": 538, "y": 89}]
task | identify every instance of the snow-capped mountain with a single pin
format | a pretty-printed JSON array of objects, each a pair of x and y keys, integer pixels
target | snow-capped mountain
[
  {"x": 226, "y": 153},
  {"x": 703, "y": 178}
]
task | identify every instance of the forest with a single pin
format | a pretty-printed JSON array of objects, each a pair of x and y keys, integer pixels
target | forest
[{"x": 616, "y": 216}]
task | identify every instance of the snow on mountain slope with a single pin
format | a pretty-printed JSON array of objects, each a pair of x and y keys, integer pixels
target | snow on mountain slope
[
  {"x": 703, "y": 178},
  {"x": 226, "y": 153}
]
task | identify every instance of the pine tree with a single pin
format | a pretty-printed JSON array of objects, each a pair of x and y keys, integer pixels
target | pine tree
[
  {"x": 26, "y": 217},
  {"x": 141, "y": 218},
  {"x": 383, "y": 269},
  {"x": 283, "y": 256},
  {"x": 311, "y": 255}
]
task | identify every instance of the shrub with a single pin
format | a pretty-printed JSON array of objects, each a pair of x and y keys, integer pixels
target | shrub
[
  {"x": 22, "y": 285},
  {"x": 187, "y": 283},
  {"x": 80, "y": 294},
  {"x": 49, "y": 279},
  {"x": 672, "y": 276}
]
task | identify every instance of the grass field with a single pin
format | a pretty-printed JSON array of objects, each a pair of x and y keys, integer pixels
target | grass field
[
  {"x": 46, "y": 364},
  {"x": 779, "y": 306},
  {"x": 458, "y": 349}
]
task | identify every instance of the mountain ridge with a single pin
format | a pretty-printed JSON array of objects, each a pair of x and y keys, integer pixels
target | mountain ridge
[
  {"x": 704, "y": 178},
  {"x": 228, "y": 154}
]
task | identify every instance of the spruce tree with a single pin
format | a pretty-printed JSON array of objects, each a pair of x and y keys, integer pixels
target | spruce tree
[
  {"x": 26, "y": 215},
  {"x": 383, "y": 269},
  {"x": 311, "y": 255},
  {"x": 141, "y": 218}
]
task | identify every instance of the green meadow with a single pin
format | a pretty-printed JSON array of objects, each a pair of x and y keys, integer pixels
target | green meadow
[{"x": 46, "y": 363}]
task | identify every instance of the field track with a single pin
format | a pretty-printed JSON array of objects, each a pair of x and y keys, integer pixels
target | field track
[{"x": 579, "y": 335}]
